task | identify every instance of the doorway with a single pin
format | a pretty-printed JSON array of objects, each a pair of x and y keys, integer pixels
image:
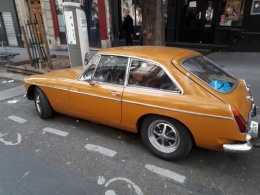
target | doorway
[{"x": 196, "y": 21}]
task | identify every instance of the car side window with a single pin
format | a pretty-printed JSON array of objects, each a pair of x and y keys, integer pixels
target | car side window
[
  {"x": 148, "y": 74},
  {"x": 111, "y": 69}
]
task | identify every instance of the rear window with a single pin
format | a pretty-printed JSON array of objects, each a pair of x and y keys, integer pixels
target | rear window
[{"x": 210, "y": 73}]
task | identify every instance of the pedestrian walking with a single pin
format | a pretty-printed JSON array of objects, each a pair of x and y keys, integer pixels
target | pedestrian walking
[
  {"x": 141, "y": 36},
  {"x": 128, "y": 28}
]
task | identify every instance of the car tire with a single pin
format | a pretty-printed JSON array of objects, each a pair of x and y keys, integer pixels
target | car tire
[
  {"x": 42, "y": 104},
  {"x": 156, "y": 129}
]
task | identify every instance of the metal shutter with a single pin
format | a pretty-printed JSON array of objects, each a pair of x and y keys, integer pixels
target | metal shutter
[{"x": 9, "y": 28}]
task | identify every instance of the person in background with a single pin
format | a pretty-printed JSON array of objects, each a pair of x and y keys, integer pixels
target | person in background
[
  {"x": 141, "y": 36},
  {"x": 128, "y": 28}
]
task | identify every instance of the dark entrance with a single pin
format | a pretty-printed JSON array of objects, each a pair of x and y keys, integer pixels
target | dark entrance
[
  {"x": 196, "y": 21},
  {"x": 91, "y": 9}
]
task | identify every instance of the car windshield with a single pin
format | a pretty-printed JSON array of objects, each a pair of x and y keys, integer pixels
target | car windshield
[{"x": 210, "y": 73}]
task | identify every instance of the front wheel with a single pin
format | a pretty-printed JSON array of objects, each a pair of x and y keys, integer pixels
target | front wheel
[
  {"x": 42, "y": 104},
  {"x": 166, "y": 138}
]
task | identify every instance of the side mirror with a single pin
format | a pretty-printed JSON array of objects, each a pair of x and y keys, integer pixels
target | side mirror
[{"x": 89, "y": 80}]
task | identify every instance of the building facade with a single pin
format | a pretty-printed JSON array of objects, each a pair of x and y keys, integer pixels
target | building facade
[
  {"x": 50, "y": 13},
  {"x": 229, "y": 25},
  {"x": 217, "y": 25}
]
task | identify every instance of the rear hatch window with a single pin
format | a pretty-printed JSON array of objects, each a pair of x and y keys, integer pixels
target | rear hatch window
[{"x": 210, "y": 73}]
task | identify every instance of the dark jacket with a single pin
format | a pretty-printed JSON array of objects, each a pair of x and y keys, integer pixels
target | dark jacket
[
  {"x": 141, "y": 36},
  {"x": 127, "y": 25}
]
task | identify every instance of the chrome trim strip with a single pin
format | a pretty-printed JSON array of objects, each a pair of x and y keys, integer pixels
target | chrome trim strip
[
  {"x": 176, "y": 110},
  {"x": 104, "y": 97},
  {"x": 140, "y": 58},
  {"x": 130, "y": 59},
  {"x": 48, "y": 86},
  {"x": 154, "y": 89},
  {"x": 89, "y": 64},
  {"x": 98, "y": 96},
  {"x": 246, "y": 85},
  {"x": 149, "y": 105},
  {"x": 128, "y": 71}
]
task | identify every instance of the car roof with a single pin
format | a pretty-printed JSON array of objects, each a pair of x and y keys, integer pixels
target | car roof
[{"x": 155, "y": 53}]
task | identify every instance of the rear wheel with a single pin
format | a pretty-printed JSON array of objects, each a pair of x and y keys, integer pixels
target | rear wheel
[
  {"x": 42, "y": 104},
  {"x": 166, "y": 138}
]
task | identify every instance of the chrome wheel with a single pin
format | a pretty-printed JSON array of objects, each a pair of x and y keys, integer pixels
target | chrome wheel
[
  {"x": 38, "y": 103},
  {"x": 163, "y": 136}
]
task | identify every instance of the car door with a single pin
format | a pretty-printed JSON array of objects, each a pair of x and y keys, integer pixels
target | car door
[
  {"x": 98, "y": 93},
  {"x": 149, "y": 90}
]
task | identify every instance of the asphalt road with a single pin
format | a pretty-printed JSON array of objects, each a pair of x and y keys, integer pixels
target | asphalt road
[
  {"x": 47, "y": 163},
  {"x": 64, "y": 155}
]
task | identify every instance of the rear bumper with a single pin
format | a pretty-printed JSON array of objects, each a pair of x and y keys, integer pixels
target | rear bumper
[{"x": 253, "y": 133}]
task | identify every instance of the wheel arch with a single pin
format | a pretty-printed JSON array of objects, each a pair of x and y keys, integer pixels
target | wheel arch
[
  {"x": 142, "y": 118},
  {"x": 30, "y": 92}
]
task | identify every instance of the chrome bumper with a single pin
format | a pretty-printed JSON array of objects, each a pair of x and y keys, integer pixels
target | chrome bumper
[{"x": 253, "y": 133}]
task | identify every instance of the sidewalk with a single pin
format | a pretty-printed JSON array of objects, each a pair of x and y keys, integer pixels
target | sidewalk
[{"x": 24, "y": 56}]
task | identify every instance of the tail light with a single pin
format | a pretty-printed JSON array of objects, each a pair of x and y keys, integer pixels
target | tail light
[{"x": 241, "y": 123}]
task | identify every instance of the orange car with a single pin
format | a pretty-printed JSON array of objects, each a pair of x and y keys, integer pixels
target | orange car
[{"x": 175, "y": 98}]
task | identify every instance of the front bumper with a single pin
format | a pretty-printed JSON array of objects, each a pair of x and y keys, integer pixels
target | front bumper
[{"x": 253, "y": 133}]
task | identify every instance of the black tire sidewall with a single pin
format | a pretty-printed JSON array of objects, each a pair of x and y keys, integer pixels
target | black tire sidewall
[{"x": 46, "y": 109}]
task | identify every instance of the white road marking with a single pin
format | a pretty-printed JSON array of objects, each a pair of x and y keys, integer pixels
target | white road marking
[
  {"x": 136, "y": 188},
  {"x": 102, "y": 180},
  {"x": 25, "y": 174},
  {"x": 10, "y": 81},
  {"x": 55, "y": 131},
  {"x": 19, "y": 140},
  {"x": 104, "y": 151},
  {"x": 12, "y": 101},
  {"x": 166, "y": 173},
  {"x": 17, "y": 119}
]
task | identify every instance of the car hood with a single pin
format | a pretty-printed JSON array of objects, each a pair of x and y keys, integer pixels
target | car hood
[{"x": 59, "y": 78}]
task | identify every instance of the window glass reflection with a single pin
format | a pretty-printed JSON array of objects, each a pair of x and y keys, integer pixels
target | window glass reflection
[{"x": 209, "y": 14}]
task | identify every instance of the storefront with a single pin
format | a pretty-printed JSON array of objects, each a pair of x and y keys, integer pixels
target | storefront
[
  {"x": 9, "y": 25},
  {"x": 230, "y": 25},
  {"x": 91, "y": 9}
]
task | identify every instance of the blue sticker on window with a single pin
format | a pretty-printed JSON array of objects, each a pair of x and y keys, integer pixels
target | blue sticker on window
[{"x": 221, "y": 86}]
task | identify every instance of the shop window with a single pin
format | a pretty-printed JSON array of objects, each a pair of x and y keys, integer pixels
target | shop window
[
  {"x": 232, "y": 13},
  {"x": 136, "y": 12},
  {"x": 209, "y": 14},
  {"x": 255, "y": 9}
]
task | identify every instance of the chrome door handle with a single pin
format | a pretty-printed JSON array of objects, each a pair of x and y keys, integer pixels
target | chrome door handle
[{"x": 114, "y": 93}]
